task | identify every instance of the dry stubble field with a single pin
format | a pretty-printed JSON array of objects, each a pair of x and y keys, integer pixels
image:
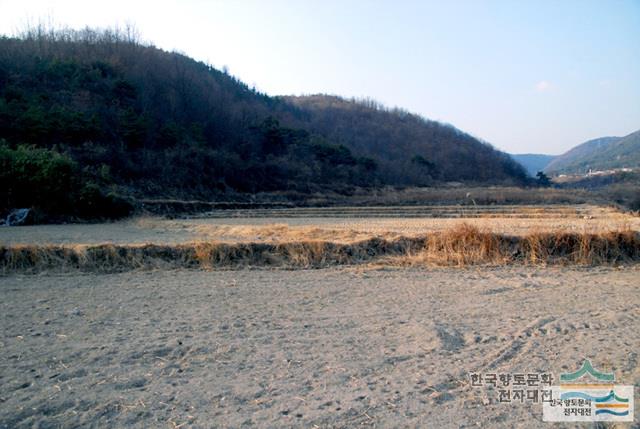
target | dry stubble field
[
  {"x": 338, "y": 224},
  {"x": 343, "y": 346}
]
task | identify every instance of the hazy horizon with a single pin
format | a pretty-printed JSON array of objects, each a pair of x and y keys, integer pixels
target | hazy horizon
[{"x": 533, "y": 77}]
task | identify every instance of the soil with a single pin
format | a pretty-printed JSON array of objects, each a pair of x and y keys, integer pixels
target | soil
[{"x": 340, "y": 347}]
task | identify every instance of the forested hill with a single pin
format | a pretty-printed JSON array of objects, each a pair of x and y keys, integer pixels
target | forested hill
[
  {"x": 84, "y": 114},
  {"x": 408, "y": 148}
]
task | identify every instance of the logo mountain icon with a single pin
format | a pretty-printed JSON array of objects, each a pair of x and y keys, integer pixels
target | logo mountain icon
[{"x": 587, "y": 368}]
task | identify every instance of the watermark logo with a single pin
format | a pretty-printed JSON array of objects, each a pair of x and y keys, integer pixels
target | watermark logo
[
  {"x": 589, "y": 395},
  {"x": 516, "y": 387}
]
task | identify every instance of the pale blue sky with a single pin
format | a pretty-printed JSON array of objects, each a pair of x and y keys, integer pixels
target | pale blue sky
[{"x": 526, "y": 76}]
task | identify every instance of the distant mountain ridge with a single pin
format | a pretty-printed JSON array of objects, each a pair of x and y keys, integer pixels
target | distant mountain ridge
[
  {"x": 604, "y": 153},
  {"x": 533, "y": 162}
]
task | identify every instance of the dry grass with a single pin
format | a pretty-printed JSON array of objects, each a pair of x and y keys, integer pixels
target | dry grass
[
  {"x": 351, "y": 224},
  {"x": 465, "y": 245},
  {"x": 582, "y": 249},
  {"x": 337, "y": 225},
  {"x": 460, "y": 246}
]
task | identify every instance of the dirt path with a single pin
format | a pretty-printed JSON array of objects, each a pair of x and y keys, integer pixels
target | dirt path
[{"x": 326, "y": 348}]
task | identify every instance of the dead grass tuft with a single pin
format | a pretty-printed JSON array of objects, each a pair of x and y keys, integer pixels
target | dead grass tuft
[{"x": 465, "y": 245}]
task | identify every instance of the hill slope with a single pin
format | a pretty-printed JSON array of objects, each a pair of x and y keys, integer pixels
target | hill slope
[
  {"x": 118, "y": 116},
  {"x": 599, "y": 154},
  {"x": 533, "y": 162},
  {"x": 408, "y": 148}
]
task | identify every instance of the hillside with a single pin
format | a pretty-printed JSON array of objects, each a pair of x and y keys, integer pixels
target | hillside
[
  {"x": 87, "y": 117},
  {"x": 599, "y": 154},
  {"x": 408, "y": 148},
  {"x": 533, "y": 162}
]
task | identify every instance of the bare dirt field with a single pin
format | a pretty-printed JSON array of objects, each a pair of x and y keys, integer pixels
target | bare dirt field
[
  {"x": 340, "y": 347},
  {"x": 366, "y": 341}
]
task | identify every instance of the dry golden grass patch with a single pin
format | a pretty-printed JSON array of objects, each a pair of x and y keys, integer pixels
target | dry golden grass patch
[
  {"x": 465, "y": 245},
  {"x": 460, "y": 246}
]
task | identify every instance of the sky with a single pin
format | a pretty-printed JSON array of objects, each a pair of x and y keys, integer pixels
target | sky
[{"x": 531, "y": 76}]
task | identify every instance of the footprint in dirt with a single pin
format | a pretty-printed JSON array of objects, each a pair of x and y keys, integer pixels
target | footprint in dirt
[
  {"x": 496, "y": 291},
  {"x": 450, "y": 338}
]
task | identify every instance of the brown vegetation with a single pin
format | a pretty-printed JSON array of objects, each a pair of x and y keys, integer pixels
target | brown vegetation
[
  {"x": 621, "y": 195},
  {"x": 460, "y": 246}
]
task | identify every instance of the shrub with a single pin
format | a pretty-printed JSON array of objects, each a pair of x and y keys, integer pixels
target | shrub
[
  {"x": 32, "y": 177},
  {"x": 92, "y": 203},
  {"x": 52, "y": 184}
]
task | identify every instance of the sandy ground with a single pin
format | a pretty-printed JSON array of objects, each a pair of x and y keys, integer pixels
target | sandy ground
[
  {"x": 336, "y": 229},
  {"x": 311, "y": 348}
]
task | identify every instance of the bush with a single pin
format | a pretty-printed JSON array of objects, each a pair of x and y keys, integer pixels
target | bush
[
  {"x": 635, "y": 202},
  {"x": 52, "y": 184},
  {"x": 93, "y": 204},
  {"x": 32, "y": 177}
]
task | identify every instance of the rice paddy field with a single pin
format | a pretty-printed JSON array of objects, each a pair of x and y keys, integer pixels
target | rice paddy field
[
  {"x": 312, "y": 318},
  {"x": 339, "y": 224}
]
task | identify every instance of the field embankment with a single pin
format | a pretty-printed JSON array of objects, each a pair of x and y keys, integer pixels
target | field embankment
[
  {"x": 322, "y": 237},
  {"x": 461, "y": 246}
]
